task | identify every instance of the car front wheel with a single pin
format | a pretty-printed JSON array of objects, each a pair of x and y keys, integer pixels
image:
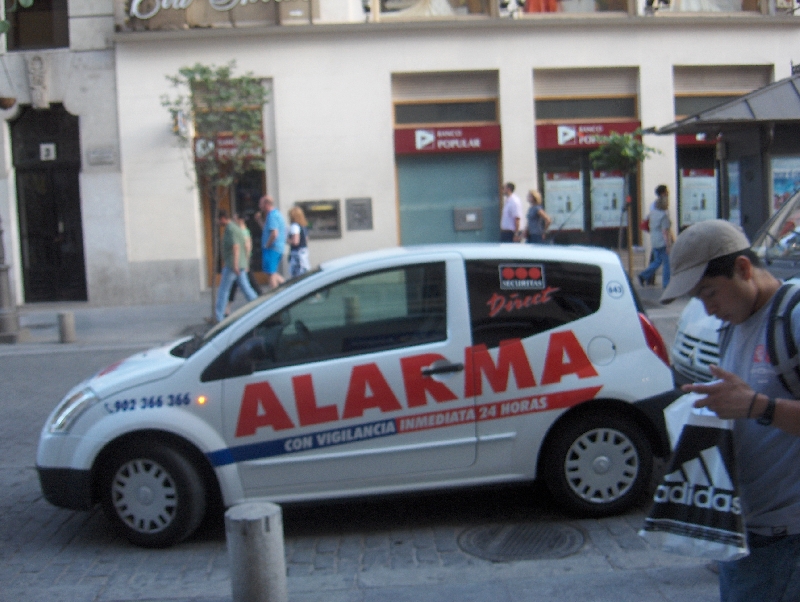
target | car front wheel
[
  {"x": 152, "y": 494},
  {"x": 598, "y": 465}
]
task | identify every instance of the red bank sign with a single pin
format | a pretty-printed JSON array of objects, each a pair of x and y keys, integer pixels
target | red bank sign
[
  {"x": 447, "y": 139},
  {"x": 579, "y": 135}
]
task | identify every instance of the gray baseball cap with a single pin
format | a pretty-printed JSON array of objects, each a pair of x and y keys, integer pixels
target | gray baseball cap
[{"x": 694, "y": 248}]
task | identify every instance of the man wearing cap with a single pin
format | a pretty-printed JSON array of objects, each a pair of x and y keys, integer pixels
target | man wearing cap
[{"x": 713, "y": 261}]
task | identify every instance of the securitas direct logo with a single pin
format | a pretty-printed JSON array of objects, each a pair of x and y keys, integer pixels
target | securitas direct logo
[
  {"x": 702, "y": 482},
  {"x": 516, "y": 277}
]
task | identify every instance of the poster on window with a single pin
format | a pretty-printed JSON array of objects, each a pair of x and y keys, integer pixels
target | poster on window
[
  {"x": 608, "y": 199},
  {"x": 698, "y": 196},
  {"x": 785, "y": 179},
  {"x": 563, "y": 200},
  {"x": 735, "y": 213}
]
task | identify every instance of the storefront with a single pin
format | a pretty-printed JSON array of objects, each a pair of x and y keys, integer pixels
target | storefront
[{"x": 585, "y": 204}]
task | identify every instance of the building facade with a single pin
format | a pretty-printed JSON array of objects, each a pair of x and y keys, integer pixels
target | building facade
[{"x": 389, "y": 123}]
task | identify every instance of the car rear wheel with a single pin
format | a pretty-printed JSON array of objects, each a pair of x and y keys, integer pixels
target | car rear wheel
[
  {"x": 152, "y": 494},
  {"x": 598, "y": 465}
]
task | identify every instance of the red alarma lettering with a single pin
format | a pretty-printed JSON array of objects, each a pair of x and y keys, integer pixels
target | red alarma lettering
[
  {"x": 307, "y": 410},
  {"x": 511, "y": 354},
  {"x": 368, "y": 389},
  {"x": 260, "y": 407},
  {"x": 565, "y": 356},
  {"x": 418, "y": 385}
]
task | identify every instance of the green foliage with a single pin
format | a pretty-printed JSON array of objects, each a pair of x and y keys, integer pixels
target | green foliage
[
  {"x": 211, "y": 103},
  {"x": 5, "y": 26},
  {"x": 621, "y": 152}
]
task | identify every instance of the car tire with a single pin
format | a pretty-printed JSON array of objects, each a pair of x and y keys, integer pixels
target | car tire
[
  {"x": 153, "y": 494},
  {"x": 598, "y": 465}
]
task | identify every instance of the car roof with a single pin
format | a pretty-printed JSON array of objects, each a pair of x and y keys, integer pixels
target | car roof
[{"x": 522, "y": 252}]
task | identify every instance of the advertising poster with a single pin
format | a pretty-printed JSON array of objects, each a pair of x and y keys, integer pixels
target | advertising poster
[
  {"x": 735, "y": 216},
  {"x": 698, "y": 196},
  {"x": 563, "y": 200},
  {"x": 785, "y": 179},
  {"x": 607, "y": 198}
]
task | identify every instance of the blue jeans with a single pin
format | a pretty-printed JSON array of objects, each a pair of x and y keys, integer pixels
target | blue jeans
[
  {"x": 771, "y": 573},
  {"x": 225, "y": 283},
  {"x": 660, "y": 257}
]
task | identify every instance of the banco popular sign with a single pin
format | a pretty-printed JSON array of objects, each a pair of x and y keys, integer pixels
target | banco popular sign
[{"x": 447, "y": 139}]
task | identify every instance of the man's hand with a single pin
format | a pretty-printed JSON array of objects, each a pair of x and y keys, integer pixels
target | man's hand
[{"x": 728, "y": 396}]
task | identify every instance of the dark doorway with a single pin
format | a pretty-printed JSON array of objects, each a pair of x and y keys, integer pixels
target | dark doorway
[{"x": 46, "y": 151}]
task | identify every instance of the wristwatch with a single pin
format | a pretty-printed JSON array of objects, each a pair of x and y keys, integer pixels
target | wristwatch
[{"x": 769, "y": 413}]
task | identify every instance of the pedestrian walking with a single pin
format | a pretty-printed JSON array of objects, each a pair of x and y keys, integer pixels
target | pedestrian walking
[
  {"x": 273, "y": 240},
  {"x": 511, "y": 216},
  {"x": 661, "y": 238},
  {"x": 299, "y": 262},
  {"x": 712, "y": 261},
  {"x": 538, "y": 220},
  {"x": 233, "y": 260},
  {"x": 246, "y": 261}
]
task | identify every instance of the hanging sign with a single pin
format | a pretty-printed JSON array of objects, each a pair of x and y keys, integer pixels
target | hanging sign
[
  {"x": 563, "y": 199},
  {"x": 608, "y": 199},
  {"x": 698, "y": 196}
]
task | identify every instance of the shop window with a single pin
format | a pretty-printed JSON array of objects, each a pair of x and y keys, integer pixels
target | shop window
[
  {"x": 43, "y": 25},
  {"x": 586, "y": 108},
  {"x": 400, "y": 9},
  {"x": 572, "y": 6},
  {"x": 689, "y": 105},
  {"x": 446, "y": 112}
]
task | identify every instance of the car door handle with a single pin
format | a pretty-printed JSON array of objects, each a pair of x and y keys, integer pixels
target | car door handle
[{"x": 442, "y": 369}]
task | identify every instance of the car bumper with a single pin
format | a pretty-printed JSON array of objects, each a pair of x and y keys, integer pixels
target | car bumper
[{"x": 67, "y": 487}]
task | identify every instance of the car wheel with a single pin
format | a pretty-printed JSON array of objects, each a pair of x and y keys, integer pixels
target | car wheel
[
  {"x": 598, "y": 465},
  {"x": 152, "y": 494}
]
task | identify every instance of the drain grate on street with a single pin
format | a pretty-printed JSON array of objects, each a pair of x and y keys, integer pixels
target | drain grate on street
[{"x": 526, "y": 541}]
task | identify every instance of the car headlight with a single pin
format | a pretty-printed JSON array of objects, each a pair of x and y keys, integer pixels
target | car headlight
[{"x": 69, "y": 409}]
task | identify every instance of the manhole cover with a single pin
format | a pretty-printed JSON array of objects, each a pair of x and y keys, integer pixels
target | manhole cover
[{"x": 528, "y": 541}]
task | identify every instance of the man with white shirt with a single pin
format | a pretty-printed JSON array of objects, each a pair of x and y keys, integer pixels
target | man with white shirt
[{"x": 511, "y": 216}]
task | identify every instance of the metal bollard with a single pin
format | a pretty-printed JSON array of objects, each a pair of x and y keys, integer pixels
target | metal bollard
[
  {"x": 254, "y": 532},
  {"x": 66, "y": 327}
]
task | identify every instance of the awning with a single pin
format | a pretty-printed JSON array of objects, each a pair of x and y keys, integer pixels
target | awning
[{"x": 778, "y": 102}]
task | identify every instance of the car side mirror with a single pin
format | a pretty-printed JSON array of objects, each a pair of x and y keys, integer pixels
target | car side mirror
[{"x": 245, "y": 354}]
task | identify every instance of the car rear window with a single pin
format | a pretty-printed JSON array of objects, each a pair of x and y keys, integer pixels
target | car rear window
[{"x": 516, "y": 299}]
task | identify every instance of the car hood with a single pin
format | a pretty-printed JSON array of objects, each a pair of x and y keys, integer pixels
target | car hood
[
  {"x": 696, "y": 323},
  {"x": 148, "y": 366}
]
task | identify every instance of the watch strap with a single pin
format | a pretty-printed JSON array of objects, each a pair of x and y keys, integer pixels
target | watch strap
[{"x": 769, "y": 413}]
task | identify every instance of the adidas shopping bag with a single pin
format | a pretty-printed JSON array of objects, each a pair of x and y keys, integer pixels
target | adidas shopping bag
[{"x": 696, "y": 507}]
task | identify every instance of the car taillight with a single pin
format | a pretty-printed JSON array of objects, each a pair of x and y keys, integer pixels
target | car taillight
[{"x": 653, "y": 339}]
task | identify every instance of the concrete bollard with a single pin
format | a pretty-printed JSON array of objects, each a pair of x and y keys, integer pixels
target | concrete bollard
[
  {"x": 66, "y": 327},
  {"x": 254, "y": 532}
]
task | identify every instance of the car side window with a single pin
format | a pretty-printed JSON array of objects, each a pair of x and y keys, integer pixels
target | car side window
[
  {"x": 518, "y": 299},
  {"x": 377, "y": 311}
]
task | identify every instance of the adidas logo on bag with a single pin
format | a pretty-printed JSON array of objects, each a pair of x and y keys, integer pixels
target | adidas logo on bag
[{"x": 702, "y": 482}]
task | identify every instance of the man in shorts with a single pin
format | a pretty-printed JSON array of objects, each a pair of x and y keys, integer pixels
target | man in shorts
[{"x": 273, "y": 240}]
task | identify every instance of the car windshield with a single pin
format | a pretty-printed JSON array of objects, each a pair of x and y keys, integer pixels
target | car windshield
[
  {"x": 779, "y": 238},
  {"x": 187, "y": 348}
]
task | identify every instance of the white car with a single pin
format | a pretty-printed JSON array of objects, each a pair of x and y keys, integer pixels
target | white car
[
  {"x": 696, "y": 344},
  {"x": 401, "y": 370}
]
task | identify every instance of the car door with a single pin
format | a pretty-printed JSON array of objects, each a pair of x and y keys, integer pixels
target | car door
[
  {"x": 359, "y": 383},
  {"x": 527, "y": 362}
]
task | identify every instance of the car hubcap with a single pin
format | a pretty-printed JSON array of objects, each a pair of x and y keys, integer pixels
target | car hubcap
[
  {"x": 144, "y": 496},
  {"x": 601, "y": 465}
]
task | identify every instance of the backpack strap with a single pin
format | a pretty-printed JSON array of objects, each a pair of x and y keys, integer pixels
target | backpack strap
[
  {"x": 781, "y": 346},
  {"x": 725, "y": 331}
]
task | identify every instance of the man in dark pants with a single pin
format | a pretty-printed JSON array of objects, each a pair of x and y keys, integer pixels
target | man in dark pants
[{"x": 713, "y": 261}]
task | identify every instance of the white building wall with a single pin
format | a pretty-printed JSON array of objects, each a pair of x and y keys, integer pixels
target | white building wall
[
  {"x": 333, "y": 106},
  {"x": 329, "y": 122}
]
